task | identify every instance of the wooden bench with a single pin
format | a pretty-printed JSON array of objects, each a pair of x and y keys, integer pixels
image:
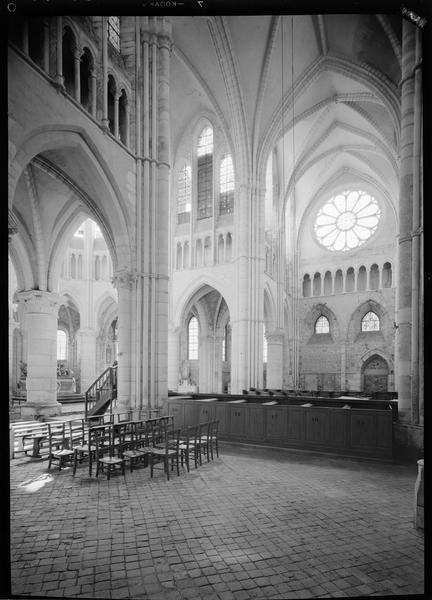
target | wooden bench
[{"x": 27, "y": 436}]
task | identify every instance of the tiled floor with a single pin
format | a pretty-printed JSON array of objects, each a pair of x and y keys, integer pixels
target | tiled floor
[{"x": 255, "y": 523}]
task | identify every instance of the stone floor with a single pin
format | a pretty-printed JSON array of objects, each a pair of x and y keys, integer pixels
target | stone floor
[{"x": 255, "y": 523}]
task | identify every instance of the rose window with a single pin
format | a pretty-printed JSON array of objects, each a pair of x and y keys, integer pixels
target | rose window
[{"x": 347, "y": 220}]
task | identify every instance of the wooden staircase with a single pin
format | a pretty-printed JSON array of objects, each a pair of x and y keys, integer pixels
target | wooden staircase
[{"x": 102, "y": 394}]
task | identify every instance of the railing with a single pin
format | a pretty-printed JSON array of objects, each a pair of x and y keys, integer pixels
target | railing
[{"x": 102, "y": 392}]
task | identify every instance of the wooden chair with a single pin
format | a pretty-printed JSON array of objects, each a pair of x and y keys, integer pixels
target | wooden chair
[
  {"x": 58, "y": 444},
  {"x": 170, "y": 452},
  {"x": 189, "y": 445},
  {"x": 123, "y": 416},
  {"x": 130, "y": 441},
  {"x": 106, "y": 450},
  {"x": 82, "y": 444},
  {"x": 211, "y": 439},
  {"x": 204, "y": 436}
]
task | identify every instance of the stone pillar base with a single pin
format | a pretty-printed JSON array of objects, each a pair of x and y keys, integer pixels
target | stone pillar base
[
  {"x": 38, "y": 412},
  {"x": 419, "y": 497},
  {"x": 407, "y": 441}
]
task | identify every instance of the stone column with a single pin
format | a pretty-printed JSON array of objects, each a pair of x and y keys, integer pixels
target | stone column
[
  {"x": 116, "y": 114},
  {"x": 248, "y": 311},
  {"x": 40, "y": 322},
  {"x": 173, "y": 357},
  {"x": 275, "y": 341},
  {"x": 46, "y": 45},
  {"x": 93, "y": 86},
  {"x": 59, "y": 54},
  {"x": 77, "y": 75},
  {"x": 127, "y": 125},
  {"x": 105, "y": 120},
  {"x": 161, "y": 243},
  {"x": 403, "y": 301},
  {"x": 87, "y": 357},
  {"x": 125, "y": 282}
]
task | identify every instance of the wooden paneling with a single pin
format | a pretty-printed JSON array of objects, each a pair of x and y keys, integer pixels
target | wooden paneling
[
  {"x": 222, "y": 414},
  {"x": 207, "y": 412},
  {"x": 254, "y": 422},
  {"x": 177, "y": 410},
  {"x": 295, "y": 424},
  {"x": 316, "y": 425},
  {"x": 237, "y": 421},
  {"x": 338, "y": 424},
  {"x": 192, "y": 412},
  {"x": 275, "y": 419},
  {"x": 363, "y": 431},
  {"x": 384, "y": 432},
  {"x": 356, "y": 432}
]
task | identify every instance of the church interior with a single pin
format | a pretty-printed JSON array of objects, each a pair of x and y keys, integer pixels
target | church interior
[{"x": 217, "y": 220}]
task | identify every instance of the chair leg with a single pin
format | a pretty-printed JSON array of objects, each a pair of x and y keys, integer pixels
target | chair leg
[
  {"x": 166, "y": 463},
  {"x": 217, "y": 449},
  {"x": 151, "y": 465}
]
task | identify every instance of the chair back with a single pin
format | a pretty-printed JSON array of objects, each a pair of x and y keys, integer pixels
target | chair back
[
  {"x": 172, "y": 439},
  {"x": 104, "y": 440},
  {"x": 77, "y": 434},
  {"x": 57, "y": 435},
  {"x": 123, "y": 416}
]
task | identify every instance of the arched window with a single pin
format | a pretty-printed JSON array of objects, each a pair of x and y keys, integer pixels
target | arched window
[
  {"x": 265, "y": 346},
  {"x": 370, "y": 322},
  {"x": 85, "y": 71},
  {"x": 186, "y": 255},
  {"x": 328, "y": 287},
  {"x": 227, "y": 329},
  {"x": 61, "y": 345},
  {"x": 221, "y": 248},
  {"x": 338, "y": 285},
  {"x": 228, "y": 247},
  {"x": 97, "y": 268},
  {"x": 226, "y": 183},
  {"x": 73, "y": 269},
  {"x": 317, "y": 284},
  {"x": 104, "y": 267},
  {"x": 193, "y": 339},
  {"x": 123, "y": 121},
  {"x": 111, "y": 102},
  {"x": 306, "y": 286},
  {"x": 322, "y": 325},
  {"x": 207, "y": 251},
  {"x": 184, "y": 194},
  {"x": 35, "y": 40},
  {"x": 179, "y": 256},
  {"x": 374, "y": 277},
  {"x": 350, "y": 280},
  {"x": 114, "y": 32},
  {"x": 361, "y": 279},
  {"x": 68, "y": 48},
  {"x": 387, "y": 275},
  {"x": 80, "y": 266},
  {"x": 205, "y": 173}
]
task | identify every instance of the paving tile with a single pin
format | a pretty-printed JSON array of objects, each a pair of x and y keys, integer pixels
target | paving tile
[{"x": 256, "y": 523}]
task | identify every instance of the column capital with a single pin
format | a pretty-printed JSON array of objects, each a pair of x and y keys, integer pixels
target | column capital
[
  {"x": 275, "y": 336},
  {"x": 124, "y": 279},
  {"x": 38, "y": 301}
]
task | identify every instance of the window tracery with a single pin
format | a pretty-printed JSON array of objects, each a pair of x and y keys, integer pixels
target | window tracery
[{"x": 347, "y": 220}]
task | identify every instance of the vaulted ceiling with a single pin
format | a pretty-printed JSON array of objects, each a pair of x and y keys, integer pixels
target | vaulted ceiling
[{"x": 343, "y": 72}]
